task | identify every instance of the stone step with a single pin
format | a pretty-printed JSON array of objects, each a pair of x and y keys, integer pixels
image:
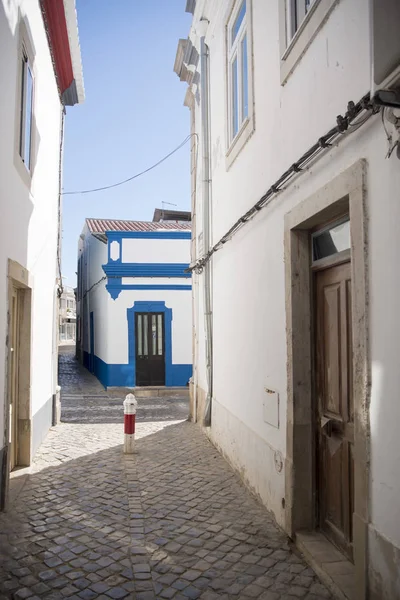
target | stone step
[{"x": 153, "y": 391}]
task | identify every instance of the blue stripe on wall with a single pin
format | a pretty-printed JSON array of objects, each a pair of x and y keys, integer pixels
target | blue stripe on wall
[
  {"x": 115, "y": 375},
  {"x": 145, "y": 286},
  {"x": 180, "y": 375},
  {"x": 115, "y": 269}
]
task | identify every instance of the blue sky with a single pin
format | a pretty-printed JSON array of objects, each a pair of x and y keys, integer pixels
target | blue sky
[{"x": 132, "y": 116}]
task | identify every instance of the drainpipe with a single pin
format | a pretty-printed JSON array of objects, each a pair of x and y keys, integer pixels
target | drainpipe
[
  {"x": 195, "y": 292},
  {"x": 56, "y": 408},
  {"x": 206, "y": 189}
]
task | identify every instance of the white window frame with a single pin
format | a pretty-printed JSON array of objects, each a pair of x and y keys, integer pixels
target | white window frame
[
  {"x": 297, "y": 31},
  {"x": 236, "y": 141},
  {"x": 235, "y": 53},
  {"x": 25, "y": 68},
  {"x": 26, "y": 51},
  {"x": 296, "y": 11}
]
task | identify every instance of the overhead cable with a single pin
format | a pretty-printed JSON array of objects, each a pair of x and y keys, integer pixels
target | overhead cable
[
  {"x": 118, "y": 183},
  {"x": 344, "y": 126}
]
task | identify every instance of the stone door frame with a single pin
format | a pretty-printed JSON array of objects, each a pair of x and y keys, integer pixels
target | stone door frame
[
  {"x": 19, "y": 277},
  {"x": 345, "y": 193}
]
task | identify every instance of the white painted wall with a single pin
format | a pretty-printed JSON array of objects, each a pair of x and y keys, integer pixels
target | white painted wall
[
  {"x": 110, "y": 316},
  {"x": 28, "y": 224},
  {"x": 97, "y": 298},
  {"x": 155, "y": 281},
  {"x": 139, "y": 250},
  {"x": 248, "y": 273},
  {"x": 180, "y": 303}
]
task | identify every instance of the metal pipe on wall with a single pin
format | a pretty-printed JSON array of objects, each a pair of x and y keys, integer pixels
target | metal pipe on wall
[{"x": 206, "y": 193}]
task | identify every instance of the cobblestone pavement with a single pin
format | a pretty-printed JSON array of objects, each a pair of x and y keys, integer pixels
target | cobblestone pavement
[{"x": 171, "y": 521}]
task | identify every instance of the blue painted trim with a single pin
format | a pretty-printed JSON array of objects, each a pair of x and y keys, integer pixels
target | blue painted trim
[
  {"x": 150, "y": 235},
  {"x": 113, "y": 375},
  {"x": 91, "y": 334},
  {"x": 180, "y": 375},
  {"x": 146, "y": 270},
  {"x": 111, "y": 260},
  {"x": 124, "y": 375},
  {"x": 115, "y": 287},
  {"x": 128, "y": 286},
  {"x": 159, "y": 307},
  {"x": 120, "y": 375}
]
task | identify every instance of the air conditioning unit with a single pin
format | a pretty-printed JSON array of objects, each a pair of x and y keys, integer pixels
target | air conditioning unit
[{"x": 385, "y": 46}]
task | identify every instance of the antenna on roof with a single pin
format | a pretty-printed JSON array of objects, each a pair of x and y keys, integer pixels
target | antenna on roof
[{"x": 169, "y": 203}]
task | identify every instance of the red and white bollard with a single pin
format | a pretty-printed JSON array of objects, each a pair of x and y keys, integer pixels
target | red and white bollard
[{"x": 130, "y": 404}]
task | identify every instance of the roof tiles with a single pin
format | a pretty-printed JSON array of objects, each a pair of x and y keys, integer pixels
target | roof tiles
[{"x": 103, "y": 225}]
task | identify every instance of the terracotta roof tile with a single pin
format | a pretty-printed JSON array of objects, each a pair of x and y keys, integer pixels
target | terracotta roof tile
[{"x": 103, "y": 225}]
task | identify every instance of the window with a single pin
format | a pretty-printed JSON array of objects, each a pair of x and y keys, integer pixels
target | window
[
  {"x": 70, "y": 304},
  {"x": 70, "y": 333},
  {"x": 238, "y": 79},
  {"x": 296, "y": 12},
  {"x": 25, "y": 135},
  {"x": 331, "y": 239},
  {"x": 63, "y": 303},
  {"x": 299, "y": 23}
]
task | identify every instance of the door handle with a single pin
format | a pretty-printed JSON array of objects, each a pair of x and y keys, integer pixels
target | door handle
[
  {"x": 331, "y": 426},
  {"x": 326, "y": 426}
]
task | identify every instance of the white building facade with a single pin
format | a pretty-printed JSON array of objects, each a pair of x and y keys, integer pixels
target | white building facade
[
  {"x": 67, "y": 316},
  {"x": 134, "y": 303},
  {"x": 40, "y": 74},
  {"x": 294, "y": 256}
]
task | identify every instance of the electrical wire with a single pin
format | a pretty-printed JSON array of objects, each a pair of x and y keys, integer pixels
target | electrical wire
[
  {"x": 114, "y": 185},
  {"x": 389, "y": 137},
  {"x": 344, "y": 126},
  {"x": 93, "y": 286},
  {"x": 194, "y": 135}
]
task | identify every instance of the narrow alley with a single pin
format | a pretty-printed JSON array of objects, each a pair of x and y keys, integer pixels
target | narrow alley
[{"x": 173, "y": 521}]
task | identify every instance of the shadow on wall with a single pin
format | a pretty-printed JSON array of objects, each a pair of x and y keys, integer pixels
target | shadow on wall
[{"x": 16, "y": 208}]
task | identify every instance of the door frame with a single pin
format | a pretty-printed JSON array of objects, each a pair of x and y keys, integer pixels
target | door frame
[
  {"x": 13, "y": 372},
  {"x": 344, "y": 194},
  {"x": 19, "y": 278},
  {"x": 150, "y": 307}
]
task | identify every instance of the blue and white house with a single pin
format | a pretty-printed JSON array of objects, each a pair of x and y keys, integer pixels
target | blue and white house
[{"x": 134, "y": 302}]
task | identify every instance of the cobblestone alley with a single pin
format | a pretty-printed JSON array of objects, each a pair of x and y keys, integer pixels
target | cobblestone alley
[{"x": 174, "y": 521}]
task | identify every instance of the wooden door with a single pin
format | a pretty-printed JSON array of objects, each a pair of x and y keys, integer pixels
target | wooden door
[
  {"x": 334, "y": 419},
  {"x": 150, "y": 349},
  {"x": 13, "y": 376}
]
